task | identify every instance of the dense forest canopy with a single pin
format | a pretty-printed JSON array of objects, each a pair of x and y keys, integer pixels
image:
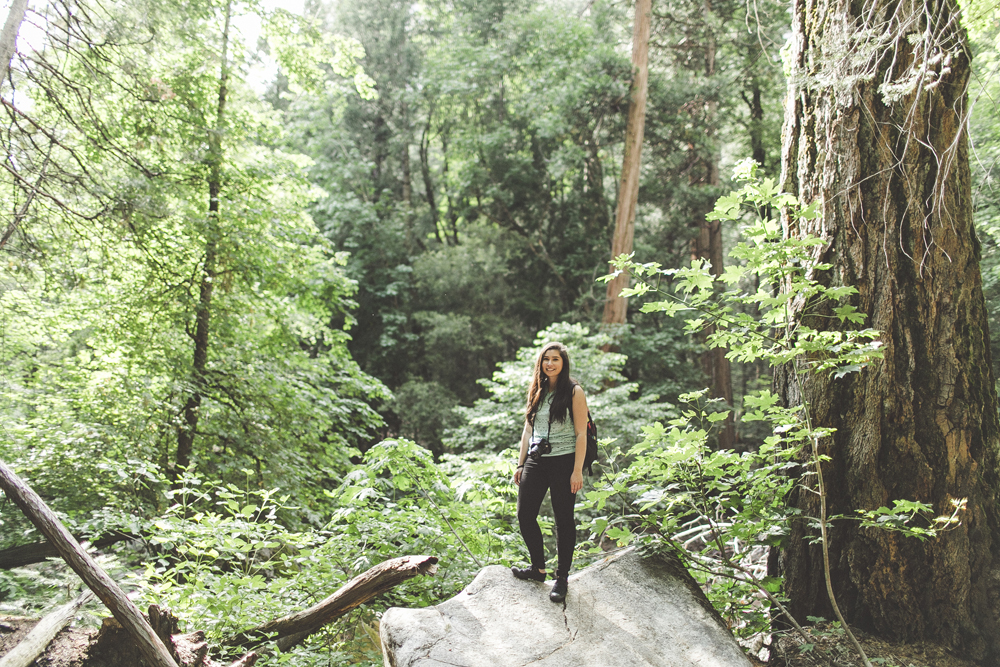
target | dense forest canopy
[{"x": 272, "y": 282}]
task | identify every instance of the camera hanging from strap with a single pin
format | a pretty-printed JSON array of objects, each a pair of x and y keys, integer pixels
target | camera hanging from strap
[{"x": 540, "y": 446}]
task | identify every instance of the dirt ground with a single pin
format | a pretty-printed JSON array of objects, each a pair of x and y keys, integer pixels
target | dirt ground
[
  {"x": 68, "y": 649},
  {"x": 90, "y": 647},
  {"x": 833, "y": 649}
]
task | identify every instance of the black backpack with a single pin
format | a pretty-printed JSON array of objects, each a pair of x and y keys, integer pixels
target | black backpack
[{"x": 592, "y": 453}]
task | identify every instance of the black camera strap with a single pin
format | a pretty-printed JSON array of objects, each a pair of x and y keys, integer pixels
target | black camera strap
[{"x": 549, "y": 429}]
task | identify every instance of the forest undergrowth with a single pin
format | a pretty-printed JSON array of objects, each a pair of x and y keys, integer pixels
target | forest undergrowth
[{"x": 280, "y": 332}]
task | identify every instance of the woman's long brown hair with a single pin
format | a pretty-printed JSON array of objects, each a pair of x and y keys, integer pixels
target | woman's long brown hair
[{"x": 563, "y": 399}]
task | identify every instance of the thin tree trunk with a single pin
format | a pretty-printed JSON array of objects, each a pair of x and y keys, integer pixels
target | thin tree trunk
[
  {"x": 8, "y": 44},
  {"x": 203, "y": 314},
  {"x": 405, "y": 160},
  {"x": 425, "y": 170},
  {"x": 707, "y": 244},
  {"x": 380, "y": 153},
  {"x": 411, "y": 237},
  {"x": 615, "y": 306},
  {"x": 756, "y": 106},
  {"x": 714, "y": 363},
  {"x": 452, "y": 216},
  {"x": 8, "y": 37},
  {"x": 878, "y": 138},
  {"x": 599, "y": 220},
  {"x": 149, "y": 644}
]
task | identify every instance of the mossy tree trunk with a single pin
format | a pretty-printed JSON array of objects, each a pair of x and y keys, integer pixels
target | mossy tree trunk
[{"x": 875, "y": 131}]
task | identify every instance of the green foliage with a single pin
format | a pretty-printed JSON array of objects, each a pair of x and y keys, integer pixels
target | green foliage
[
  {"x": 786, "y": 291},
  {"x": 459, "y": 510},
  {"x": 495, "y": 423},
  {"x": 102, "y": 316},
  {"x": 219, "y": 546},
  {"x": 717, "y": 508},
  {"x": 476, "y": 192},
  {"x": 37, "y": 590},
  {"x": 306, "y": 53},
  {"x": 471, "y": 193},
  {"x": 224, "y": 562},
  {"x": 462, "y": 189}
]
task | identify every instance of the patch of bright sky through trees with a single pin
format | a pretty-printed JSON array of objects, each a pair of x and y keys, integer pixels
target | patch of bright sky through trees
[{"x": 31, "y": 35}]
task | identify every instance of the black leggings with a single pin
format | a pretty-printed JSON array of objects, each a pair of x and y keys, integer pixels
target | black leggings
[{"x": 537, "y": 477}]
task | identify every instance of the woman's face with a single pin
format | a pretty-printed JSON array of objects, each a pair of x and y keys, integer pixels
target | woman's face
[{"x": 552, "y": 364}]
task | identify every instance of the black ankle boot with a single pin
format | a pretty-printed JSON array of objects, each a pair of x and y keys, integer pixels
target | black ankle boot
[
  {"x": 558, "y": 592},
  {"x": 528, "y": 573}
]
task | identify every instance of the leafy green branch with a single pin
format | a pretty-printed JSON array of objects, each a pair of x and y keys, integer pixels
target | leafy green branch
[{"x": 774, "y": 305}]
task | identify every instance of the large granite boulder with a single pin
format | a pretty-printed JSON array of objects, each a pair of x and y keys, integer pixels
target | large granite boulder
[{"x": 626, "y": 610}]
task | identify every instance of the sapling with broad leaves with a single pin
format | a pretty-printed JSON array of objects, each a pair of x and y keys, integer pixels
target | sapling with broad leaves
[{"x": 717, "y": 506}]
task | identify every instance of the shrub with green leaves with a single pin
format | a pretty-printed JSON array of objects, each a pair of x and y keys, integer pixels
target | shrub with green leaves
[
  {"x": 714, "y": 507},
  {"x": 224, "y": 563},
  {"x": 219, "y": 549},
  {"x": 401, "y": 502},
  {"x": 719, "y": 508},
  {"x": 494, "y": 424}
]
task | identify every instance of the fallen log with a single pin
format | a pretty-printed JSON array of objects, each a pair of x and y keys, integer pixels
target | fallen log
[
  {"x": 292, "y": 629},
  {"x": 29, "y": 554},
  {"x": 247, "y": 660},
  {"x": 34, "y": 644},
  {"x": 114, "y": 646},
  {"x": 152, "y": 648}
]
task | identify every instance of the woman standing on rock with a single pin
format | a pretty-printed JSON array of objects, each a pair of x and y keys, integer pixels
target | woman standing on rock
[{"x": 553, "y": 446}]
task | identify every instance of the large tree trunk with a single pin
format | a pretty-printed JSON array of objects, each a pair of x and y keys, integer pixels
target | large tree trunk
[
  {"x": 875, "y": 132},
  {"x": 616, "y": 306}
]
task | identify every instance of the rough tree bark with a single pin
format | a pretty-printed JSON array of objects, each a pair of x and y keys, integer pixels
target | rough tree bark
[
  {"x": 875, "y": 131},
  {"x": 615, "y": 306}
]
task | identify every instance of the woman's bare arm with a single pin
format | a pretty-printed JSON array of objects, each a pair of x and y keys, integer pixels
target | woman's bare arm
[
  {"x": 523, "y": 453},
  {"x": 580, "y": 426}
]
